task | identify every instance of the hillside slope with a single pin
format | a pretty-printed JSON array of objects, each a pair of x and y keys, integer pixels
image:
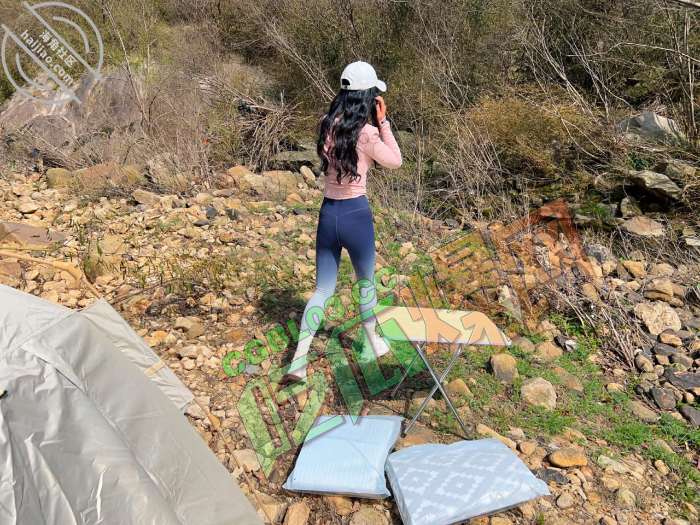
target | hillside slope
[{"x": 200, "y": 277}]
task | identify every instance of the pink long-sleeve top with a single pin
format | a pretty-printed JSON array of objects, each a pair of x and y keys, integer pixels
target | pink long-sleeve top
[{"x": 373, "y": 145}]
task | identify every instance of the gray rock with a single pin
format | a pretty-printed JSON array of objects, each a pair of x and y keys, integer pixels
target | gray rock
[
  {"x": 664, "y": 349},
  {"x": 655, "y": 183},
  {"x": 612, "y": 464},
  {"x": 693, "y": 324},
  {"x": 600, "y": 252},
  {"x": 565, "y": 501},
  {"x": 686, "y": 335},
  {"x": 682, "y": 359},
  {"x": 651, "y": 126},
  {"x": 252, "y": 370},
  {"x": 664, "y": 398},
  {"x": 56, "y": 130},
  {"x": 692, "y": 414},
  {"x": 568, "y": 344},
  {"x": 644, "y": 387},
  {"x": 682, "y": 380},
  {"x": 550, "y": 475},
  {"x": 247, "y": 459},
  {"x": 74, "y": 130}
]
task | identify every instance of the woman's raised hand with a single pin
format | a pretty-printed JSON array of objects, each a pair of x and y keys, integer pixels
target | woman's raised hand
[{"x": 381, "y": 109}]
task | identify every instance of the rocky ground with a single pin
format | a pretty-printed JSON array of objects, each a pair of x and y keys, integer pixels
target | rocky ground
[{"x": 199, "y": 277}]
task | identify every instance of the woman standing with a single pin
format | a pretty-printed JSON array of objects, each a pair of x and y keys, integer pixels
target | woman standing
[{"x": 354, "y": 135}]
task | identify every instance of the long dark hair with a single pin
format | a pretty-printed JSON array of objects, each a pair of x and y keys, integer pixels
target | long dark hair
[{"x": 352, "y": 110}]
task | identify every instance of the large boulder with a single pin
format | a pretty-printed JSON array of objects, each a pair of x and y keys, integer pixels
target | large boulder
[
  {"x": 281, "y": 182},
  {"x": 651, "y": 126},
  {"x": 58, "y": 133},
  {"x": 110, "y": 104},
  {"x": 655, "y": 183},
  {"x": 53, "y": 132}
]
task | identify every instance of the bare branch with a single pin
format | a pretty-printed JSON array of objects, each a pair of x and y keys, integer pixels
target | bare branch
[
  {"x": 658, "y": 48},
  {"x": 688, "y": 3}
]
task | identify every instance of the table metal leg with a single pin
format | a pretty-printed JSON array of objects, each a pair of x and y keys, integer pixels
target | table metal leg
[
  {"x": 438, "y": 386},
  {"x": 408, "y": 369}
]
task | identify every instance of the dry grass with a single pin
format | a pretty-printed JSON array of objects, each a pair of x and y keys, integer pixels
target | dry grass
[{"x": 534, "y": 138}]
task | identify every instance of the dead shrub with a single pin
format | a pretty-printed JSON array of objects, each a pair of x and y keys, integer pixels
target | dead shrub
[
  {"x": 250, "y": 128},
  {"x": 467, "y": 178}
]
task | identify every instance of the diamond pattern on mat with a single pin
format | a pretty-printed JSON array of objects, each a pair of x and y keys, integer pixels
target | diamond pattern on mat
[{"x": 444, "y": 483}]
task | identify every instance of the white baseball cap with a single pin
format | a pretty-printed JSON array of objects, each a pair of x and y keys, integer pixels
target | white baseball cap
[{"x": 359, "y": 76}]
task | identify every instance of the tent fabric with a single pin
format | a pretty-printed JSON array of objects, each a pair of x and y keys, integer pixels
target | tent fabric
[
  {"x": 87, "y": 438},
  {"x": 102, "y": 315},
  {"x": 23, "y": 315}
]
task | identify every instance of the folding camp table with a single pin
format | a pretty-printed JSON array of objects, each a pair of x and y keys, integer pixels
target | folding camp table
[{"x": 421, "y": 326}]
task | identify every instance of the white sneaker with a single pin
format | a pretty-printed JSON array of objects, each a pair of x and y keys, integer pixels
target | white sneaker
[{"x": 379, "y": 345}]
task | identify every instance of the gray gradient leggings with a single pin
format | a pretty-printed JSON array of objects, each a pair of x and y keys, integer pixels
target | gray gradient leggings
[{"x": 345, "y": 223}]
